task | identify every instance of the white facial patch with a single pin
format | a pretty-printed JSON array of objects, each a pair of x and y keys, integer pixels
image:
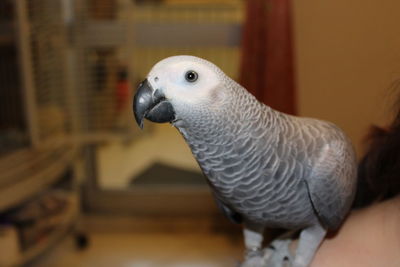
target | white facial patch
[{"x": 171, "y": 72}]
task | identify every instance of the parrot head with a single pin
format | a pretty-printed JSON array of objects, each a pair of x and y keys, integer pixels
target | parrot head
[{"x": 175, "y": 87}]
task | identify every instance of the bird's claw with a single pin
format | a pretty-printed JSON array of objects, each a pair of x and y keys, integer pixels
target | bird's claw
[
  {"x": 278, "y": 254},
  {"x": 255, "y": 261},
  {"x": 253, "y": 252},
  {"x": 253, "y": 258}
]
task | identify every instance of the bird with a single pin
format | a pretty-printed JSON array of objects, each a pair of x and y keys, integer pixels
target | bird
[{"x": 265, "y": 168}]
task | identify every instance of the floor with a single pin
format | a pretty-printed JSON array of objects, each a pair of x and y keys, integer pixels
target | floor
[
  {"x": 152, "y": 243},
  {"x": 147, "y": 250},
  {"x": 118, "y": 162},
  {"x": 117, "y": 246}
]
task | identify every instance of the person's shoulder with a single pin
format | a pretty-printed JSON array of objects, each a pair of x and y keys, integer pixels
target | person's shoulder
[{"x": 368, "y": 237}]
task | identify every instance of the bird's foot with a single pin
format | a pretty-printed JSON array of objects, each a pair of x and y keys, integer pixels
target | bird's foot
[
  {"x": 280, "y": 253},
  {"x": 277, "y": 254},
  {"x": 256, "y": 261},
  {"x": 254, "y": 258}
]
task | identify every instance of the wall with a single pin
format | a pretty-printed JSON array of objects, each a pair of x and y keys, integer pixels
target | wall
[{"x": 348, "y": 56}]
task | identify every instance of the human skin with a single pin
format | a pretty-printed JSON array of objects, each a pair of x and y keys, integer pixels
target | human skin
[{"x": 368, "y": 237}]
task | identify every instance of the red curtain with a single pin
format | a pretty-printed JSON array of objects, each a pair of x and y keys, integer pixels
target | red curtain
[{"x": 267, "y": 69}]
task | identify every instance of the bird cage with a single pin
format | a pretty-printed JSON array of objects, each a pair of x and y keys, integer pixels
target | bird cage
[
  {"x": 125, "y": 38},
  {"x": 118, "y": 41},
  {"x": 78, "y": 62},
  {"x": 36, "y": 155},
  {"x": 76, "y": 89},
  {"x": 81, "y": 60},
  {"x": 13, "y": 128},
  {"x": 34, "y": 107},
  {"x": 42, "y": 23}
]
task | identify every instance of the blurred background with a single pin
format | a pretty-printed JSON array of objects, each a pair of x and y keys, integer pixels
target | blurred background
[{"x": 82, "y": 185}]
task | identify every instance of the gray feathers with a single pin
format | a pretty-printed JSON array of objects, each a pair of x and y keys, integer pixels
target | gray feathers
[
  {"x": 272, "y": 168},
  {"x": 266, "y": 168}
]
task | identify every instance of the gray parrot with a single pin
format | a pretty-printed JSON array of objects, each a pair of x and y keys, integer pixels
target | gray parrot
[{"x": 265, "y": 168}]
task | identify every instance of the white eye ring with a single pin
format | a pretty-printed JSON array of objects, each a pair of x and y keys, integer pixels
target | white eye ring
[{"x": 191, "y": 76}]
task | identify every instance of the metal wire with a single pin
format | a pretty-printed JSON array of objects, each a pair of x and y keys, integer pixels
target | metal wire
[
  {"x": 13, "y": 132},
  {"x": 86, "y": 57},
  {"x": 126, "y": 36},
  {"x": 48, "y": 45}
]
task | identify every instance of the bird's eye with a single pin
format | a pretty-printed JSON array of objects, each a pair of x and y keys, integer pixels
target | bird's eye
[{"x": 191, "y": 76}]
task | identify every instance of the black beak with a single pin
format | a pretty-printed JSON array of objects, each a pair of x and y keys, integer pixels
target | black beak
[{"x": 151, "y": 105}]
